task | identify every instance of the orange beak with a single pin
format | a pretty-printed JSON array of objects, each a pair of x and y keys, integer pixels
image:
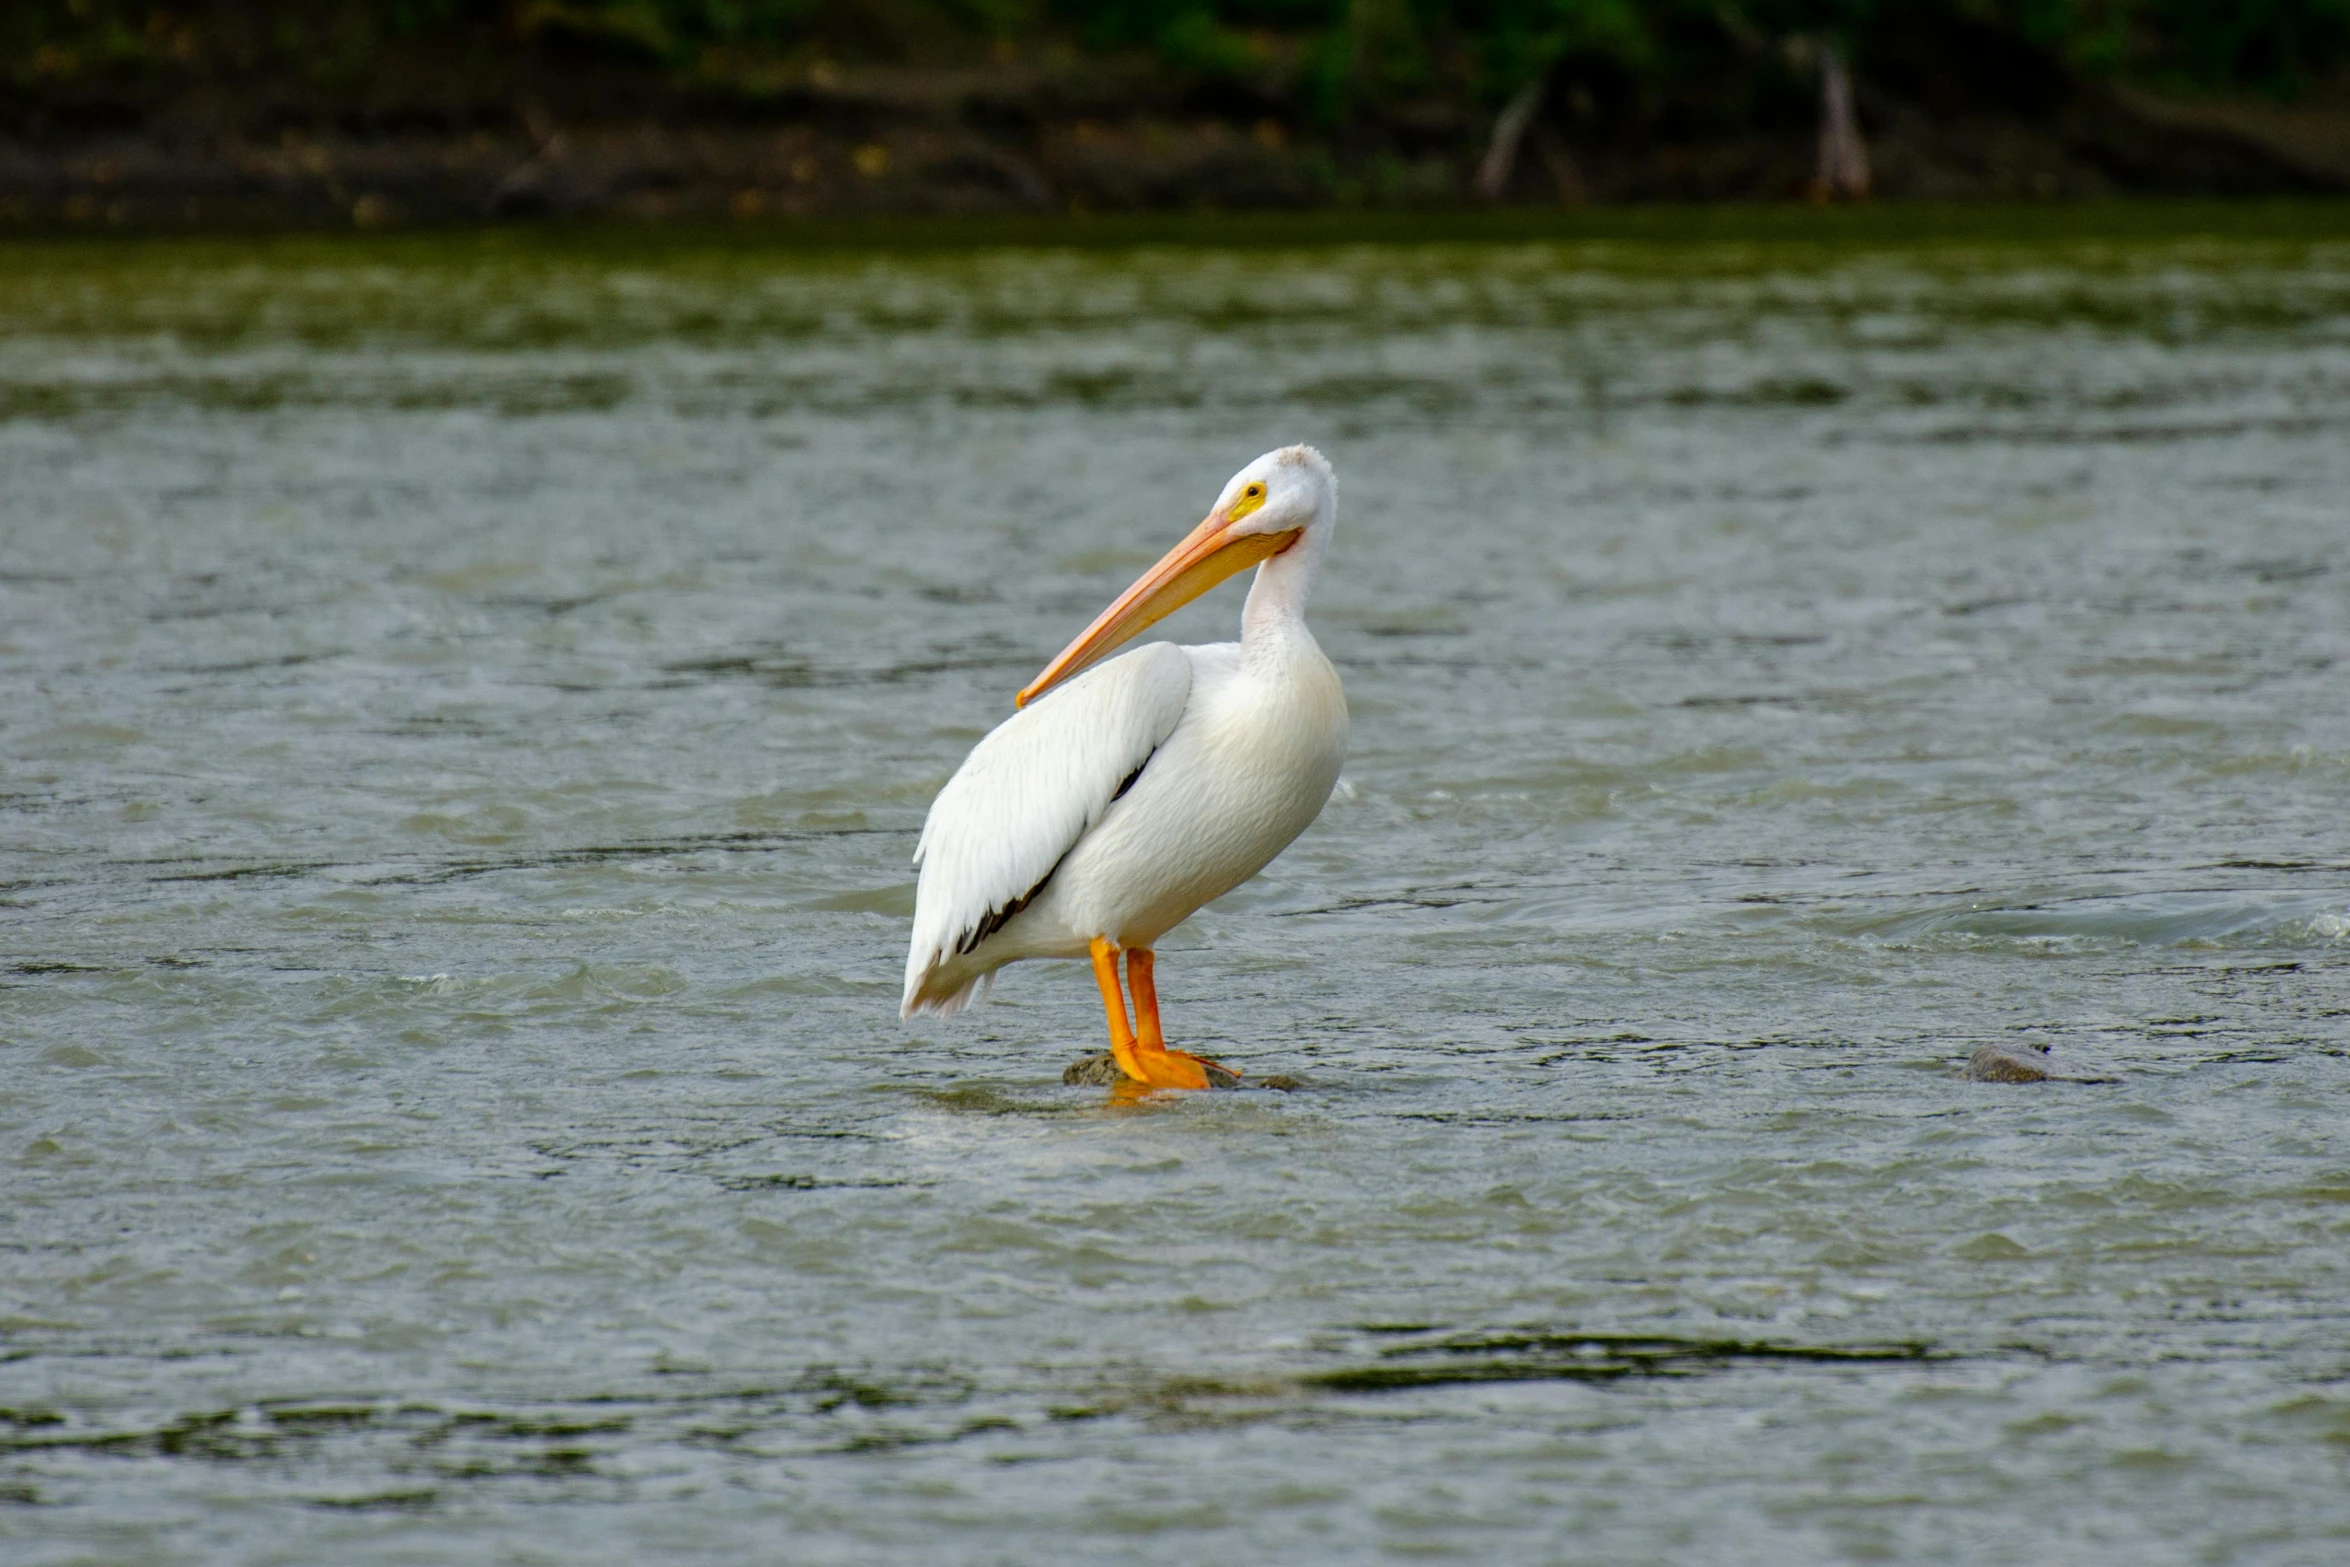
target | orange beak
[{"x": 1192, "y": 567}]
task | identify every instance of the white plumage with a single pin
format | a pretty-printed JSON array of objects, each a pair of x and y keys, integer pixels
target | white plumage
[
  {"x": 1129, "y": 795},
  {"x": 1023, "y": 798}
]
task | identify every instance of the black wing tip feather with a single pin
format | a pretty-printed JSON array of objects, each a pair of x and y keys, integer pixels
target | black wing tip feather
[{"x": 996, "y": 919}]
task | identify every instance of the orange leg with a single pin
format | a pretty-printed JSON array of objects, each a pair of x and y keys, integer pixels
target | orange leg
[
  {"x": 1105, "y": 975},
  {"x": 1161, "y": 1067},
  {"x": 1141, "y": 977}
]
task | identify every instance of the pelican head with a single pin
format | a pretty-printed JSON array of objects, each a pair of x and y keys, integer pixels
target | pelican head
[{"x": 1286, "y": 500}]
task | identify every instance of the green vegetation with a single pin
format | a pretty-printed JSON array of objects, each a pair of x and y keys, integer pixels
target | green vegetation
[{"x": 1323, "y": 59}]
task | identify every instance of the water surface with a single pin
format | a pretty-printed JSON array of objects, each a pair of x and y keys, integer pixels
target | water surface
[{"x": 469, "y": 707}]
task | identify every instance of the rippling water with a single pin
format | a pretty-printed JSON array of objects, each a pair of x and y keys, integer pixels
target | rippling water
[{"x": 470, "y": 702}]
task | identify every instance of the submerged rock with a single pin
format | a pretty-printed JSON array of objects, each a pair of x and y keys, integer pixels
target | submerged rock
[
  {"x": 2025, "y": 1061},
  {"x": 2008, "y": 1064},
  {"x": 1100, "y": 1070},
  {"x": 1095, "y": 1071}
]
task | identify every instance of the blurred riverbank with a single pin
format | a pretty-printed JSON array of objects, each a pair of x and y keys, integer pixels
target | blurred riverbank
[
  {"x": 1699, "y": 234},
  {"x": 229, "y": 117}
]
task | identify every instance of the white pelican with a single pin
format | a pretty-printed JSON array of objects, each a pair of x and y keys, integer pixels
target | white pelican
[{"x": 1096, "y": 820}]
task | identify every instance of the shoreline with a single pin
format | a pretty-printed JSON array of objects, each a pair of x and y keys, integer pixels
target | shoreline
[
  {"x": 1889, "y": 224},
  {"x": 368, "y": 115}
]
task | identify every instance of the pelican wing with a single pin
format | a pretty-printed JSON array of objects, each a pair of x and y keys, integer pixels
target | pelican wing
[{"x": 1023, "y": 798}]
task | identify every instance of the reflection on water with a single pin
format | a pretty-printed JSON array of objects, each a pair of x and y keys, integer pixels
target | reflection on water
[{"x": 471, "y": 703}]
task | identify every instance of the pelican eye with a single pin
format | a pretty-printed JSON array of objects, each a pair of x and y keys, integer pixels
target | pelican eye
[{"x": 1252, "y": 496}]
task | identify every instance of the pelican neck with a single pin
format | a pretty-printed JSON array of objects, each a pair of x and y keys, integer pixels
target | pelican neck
[{"x": 1276, "y": 608}]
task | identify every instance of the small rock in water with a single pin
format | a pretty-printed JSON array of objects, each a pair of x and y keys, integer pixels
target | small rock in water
[
  {"x": 1095, "y": 1071},
  {"x": 1101, "y": 1071},
  {"x": 2026, "y": 1063}
]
